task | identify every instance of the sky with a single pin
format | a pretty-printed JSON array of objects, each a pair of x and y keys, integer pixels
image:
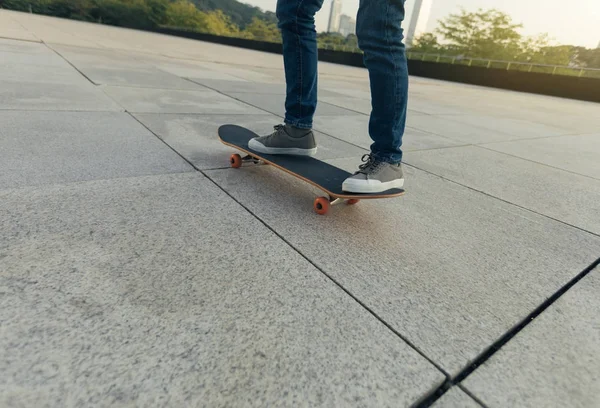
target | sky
[{"x": 574, "y": 22}]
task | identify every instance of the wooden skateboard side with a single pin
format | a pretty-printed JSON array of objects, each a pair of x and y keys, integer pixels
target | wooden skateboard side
[{"x": 345, "y": 196}]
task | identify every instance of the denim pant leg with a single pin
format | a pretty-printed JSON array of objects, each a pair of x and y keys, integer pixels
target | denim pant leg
[
  {"x": 380, "y": 37},
  {"x": 297, "y": 24}
]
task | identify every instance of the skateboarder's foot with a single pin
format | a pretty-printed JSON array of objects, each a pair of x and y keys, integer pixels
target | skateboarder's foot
[
  {"x": 374, "y": 176},
  {"x": 286, "y": 139}
]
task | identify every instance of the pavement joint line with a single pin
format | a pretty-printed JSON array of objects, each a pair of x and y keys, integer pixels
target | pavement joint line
[
  {"x": 328, "y": 276},
  {"x": 442, "y": 116},
  {"x": 536, "y": 162},
  {"x": 71, "y": 64},
  {"x": 21, "y": 39},
  {"x": 103, "y": 85},
  {"x": 500, "y": 342},
  {"x": 538, "y": 137},
  {"x": 470, "y": 394},
  {"x": 505, "y": 338}
]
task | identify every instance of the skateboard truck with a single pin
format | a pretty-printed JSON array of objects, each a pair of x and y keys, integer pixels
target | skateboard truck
[
  {"x": 322, "y": 204},
  {"x": 237, "y": 161}
]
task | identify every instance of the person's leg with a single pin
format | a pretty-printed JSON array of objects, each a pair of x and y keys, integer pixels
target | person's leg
[
  {"x": 380, "y": 36},
  {"x": 297, "y": 25}
]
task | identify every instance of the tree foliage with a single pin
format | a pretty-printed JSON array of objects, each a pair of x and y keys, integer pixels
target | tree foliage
[
  {"x": 262, "y": 30},
  {"x": 241, "y": 14},
  {"x": 492, "y": 35}
]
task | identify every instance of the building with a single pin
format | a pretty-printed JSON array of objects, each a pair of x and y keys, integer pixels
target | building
[
  {"x": 419, "y": 17},
  {"x": 347, "y": 25},
  {"x": 334, "y": 16}
]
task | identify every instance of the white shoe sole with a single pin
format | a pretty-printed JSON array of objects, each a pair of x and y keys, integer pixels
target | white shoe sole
[
  {"x": 259, "y": 147},
  {"x": 370, "y": 186}
]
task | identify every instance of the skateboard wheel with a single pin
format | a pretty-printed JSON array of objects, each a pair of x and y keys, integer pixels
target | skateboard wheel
[
  {"x": 321, "y": 205},
  {"x": 236, "y": 161},
  {"x": 352, "y": 201}
]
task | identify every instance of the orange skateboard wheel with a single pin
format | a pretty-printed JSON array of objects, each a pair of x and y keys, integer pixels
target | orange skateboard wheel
[
  {"x": 236, "y": 161},
  {"x": 321, "y": 205},
  {"x": 352, "y": 201}
]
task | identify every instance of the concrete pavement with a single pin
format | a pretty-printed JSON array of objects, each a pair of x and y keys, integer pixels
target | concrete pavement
[{"x": 138, "y": 269}]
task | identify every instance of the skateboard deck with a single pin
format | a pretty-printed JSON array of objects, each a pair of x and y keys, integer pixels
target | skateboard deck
[{"x": 322, "y": 175}]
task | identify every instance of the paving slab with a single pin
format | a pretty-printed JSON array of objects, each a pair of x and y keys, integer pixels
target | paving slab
[
  {"x": 198, "y": 100},
  {"x": 31, "y": 73},
  {"x": 17, "y": 34},
  {"x": 275, "y": 104},
  {"x": 518, "y": 128},
  {"x": 355, "y": 129},
  {"x": 138, "y": 292},
  {"x": 195, "y": 137},
  {"x": 579, "y": 154},
  {"x": 269, "y": 88},
  {"x": 195, "y": 71},
  {"x": 42, "y": 56},
  {"x": 12, "y": 34},
  {"x": 353, "y": 104},
  {"x": 460, "y": 132},
  {"x": 60, "y": 147},
  {"x": 100, "y": 58},
  {"x": 240, "y": 70},
  {"x": 242, "y": 86},
  {"x": 148, "y": 78},
  {"x": 554, "y": 361},
  {"x": 562, "y": 195},
  {"x": 449, "y": 268},
  {"x": 455, "y": 398},
  {"x": 30, "y": 96},
  {"x": 432, "y": 106}
]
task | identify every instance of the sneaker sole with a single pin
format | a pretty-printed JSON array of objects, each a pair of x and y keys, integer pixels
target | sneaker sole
[
  {"x": 296, "y": 151},
  {"x": 355, "y": 186}
]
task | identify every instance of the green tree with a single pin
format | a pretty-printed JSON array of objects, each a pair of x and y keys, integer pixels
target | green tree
[
  {"x": 124, "y": 13},
  {"x": 330, "y": 40},
  {"x": 586, "y": 57},
  {"x": 483, "y": 34},
  {"x": 157, "y": 11},
  {"x": 262, "y": 30},
  {"x": 352, "y": 41},
  {"x": 216, "y": 22},
  {"x": 427, "y": 43},
  {"x": 241, "y": 14},
  {"x": 183, "y": 14}
]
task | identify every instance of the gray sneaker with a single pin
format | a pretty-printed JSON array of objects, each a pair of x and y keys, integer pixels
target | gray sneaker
[
  {"x": 374, "y": 176},
  {"x": 286, "y": 140}
]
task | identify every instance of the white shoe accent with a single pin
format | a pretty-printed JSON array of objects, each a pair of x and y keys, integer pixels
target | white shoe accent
[
  {"x": 259, "y": 147},
  {"x": 351, "y": 185}
]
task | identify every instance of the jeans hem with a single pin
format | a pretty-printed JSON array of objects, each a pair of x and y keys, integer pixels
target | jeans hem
[
  {"x": 392, "y": 159},
  {"x": 298, "y": 124}
]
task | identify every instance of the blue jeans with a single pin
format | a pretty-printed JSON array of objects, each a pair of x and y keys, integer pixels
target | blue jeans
[{"x": 380, "y": 36}]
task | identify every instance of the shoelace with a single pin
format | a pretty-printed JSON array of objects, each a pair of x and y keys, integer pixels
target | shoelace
[{"x": 370, "y": 165}]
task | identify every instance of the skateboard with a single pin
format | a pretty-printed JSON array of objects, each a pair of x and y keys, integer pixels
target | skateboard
[{"x": 322, "y": 175}]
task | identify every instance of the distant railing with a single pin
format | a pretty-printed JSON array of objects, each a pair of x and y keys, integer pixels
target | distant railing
[
  {"x": 487, "y": 63},
  {"x": 508, "y": 65}
]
